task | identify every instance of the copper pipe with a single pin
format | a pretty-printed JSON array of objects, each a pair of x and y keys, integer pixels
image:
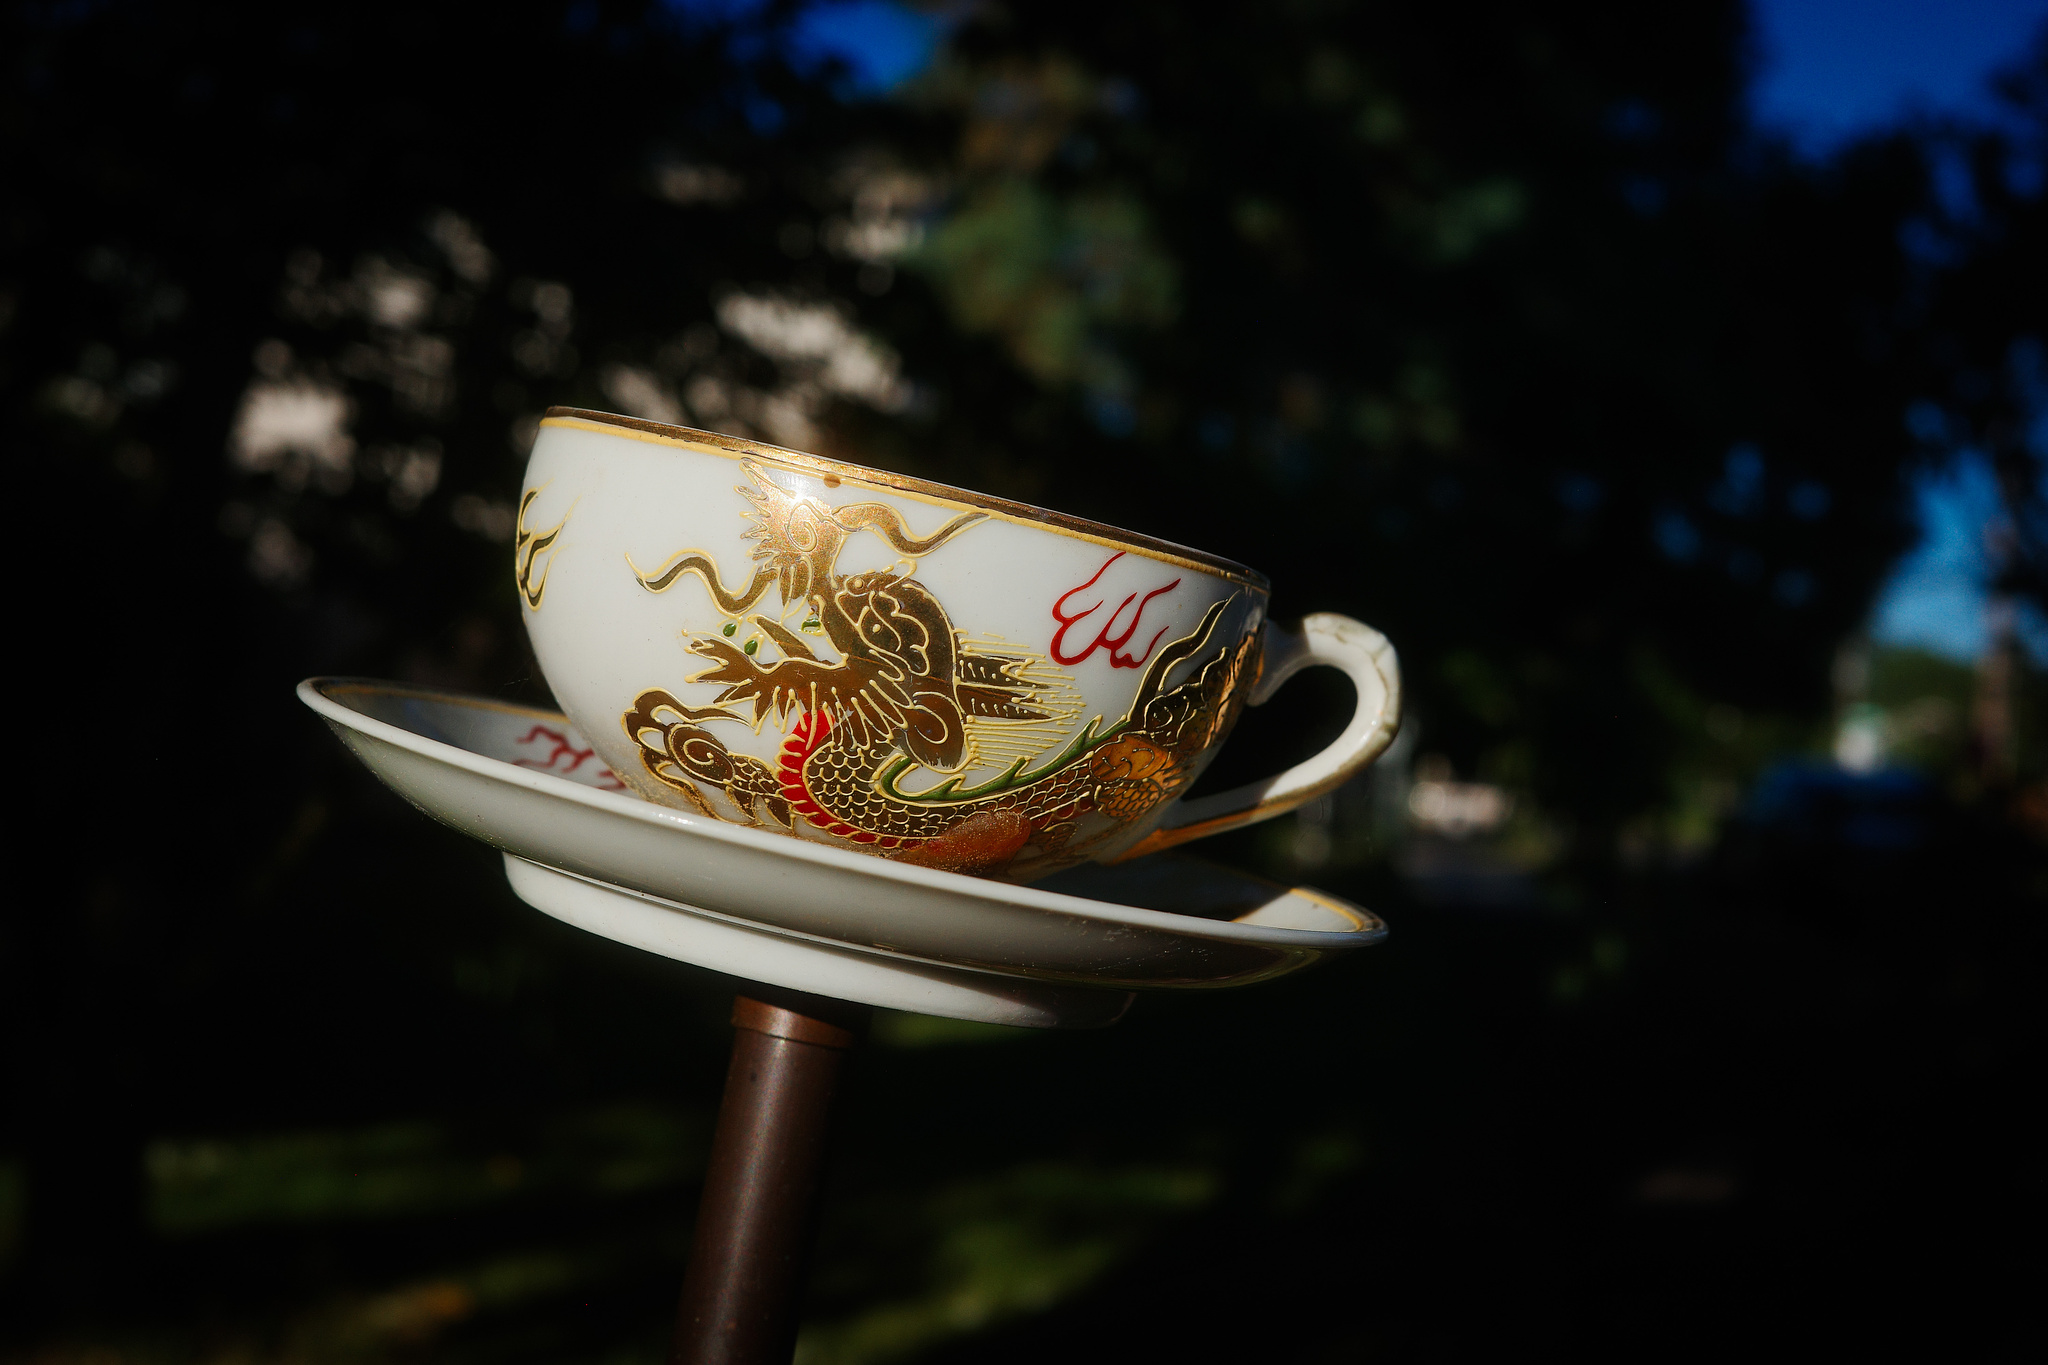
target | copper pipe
[{"x": 744, "y": 1282}]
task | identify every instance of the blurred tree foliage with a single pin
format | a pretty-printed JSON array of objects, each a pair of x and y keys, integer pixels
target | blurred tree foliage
[{"x": 1493, "y": 324}]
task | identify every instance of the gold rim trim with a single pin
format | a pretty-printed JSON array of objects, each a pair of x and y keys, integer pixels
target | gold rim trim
[
  {"x": 1366, "y": 920},
  {"x": 923, "y": 490}
]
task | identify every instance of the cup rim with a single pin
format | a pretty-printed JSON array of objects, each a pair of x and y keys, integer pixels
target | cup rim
[{"x": 1005, "y": 508}]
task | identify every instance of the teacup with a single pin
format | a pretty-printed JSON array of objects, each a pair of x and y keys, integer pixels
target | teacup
[{"x": 894, "y": 666}]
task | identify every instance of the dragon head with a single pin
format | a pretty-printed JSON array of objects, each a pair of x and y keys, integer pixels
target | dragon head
[{"x": 798, "y": 538}]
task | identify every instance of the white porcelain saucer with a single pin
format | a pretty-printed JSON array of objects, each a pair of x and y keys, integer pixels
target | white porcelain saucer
[{"x": 1065, "y": 953}]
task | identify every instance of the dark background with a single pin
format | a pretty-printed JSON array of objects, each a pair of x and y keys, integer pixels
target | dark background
[{"x": 1497, "y": 325}]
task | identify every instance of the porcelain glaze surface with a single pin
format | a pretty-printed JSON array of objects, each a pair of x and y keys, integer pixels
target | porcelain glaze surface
[
  {"x": 868, "y": 663},
  {"x": 811, "y": 916}
]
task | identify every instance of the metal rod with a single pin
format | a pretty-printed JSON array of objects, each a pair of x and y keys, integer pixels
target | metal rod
[{"x": 744, "y": 1283}]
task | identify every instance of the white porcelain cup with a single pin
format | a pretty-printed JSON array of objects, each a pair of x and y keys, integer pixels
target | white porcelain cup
[{"x": 936, "y": 676}]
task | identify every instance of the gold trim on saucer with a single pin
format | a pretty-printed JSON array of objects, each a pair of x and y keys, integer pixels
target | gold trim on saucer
[{"x": 1365, "y": 919}]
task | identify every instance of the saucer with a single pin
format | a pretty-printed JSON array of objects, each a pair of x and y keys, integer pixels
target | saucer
[{"x": 1065, "y": 952}]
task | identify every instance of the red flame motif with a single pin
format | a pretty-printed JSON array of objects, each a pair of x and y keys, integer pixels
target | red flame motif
[
  {"x": 1103, "y": 639},
  {"x": 604, "y": 777}
]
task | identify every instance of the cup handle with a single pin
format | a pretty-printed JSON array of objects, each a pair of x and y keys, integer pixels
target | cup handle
[{"x": 1325, "y": 638}]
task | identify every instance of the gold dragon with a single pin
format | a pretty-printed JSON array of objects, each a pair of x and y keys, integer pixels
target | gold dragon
[{"x": 897, "y": 699}]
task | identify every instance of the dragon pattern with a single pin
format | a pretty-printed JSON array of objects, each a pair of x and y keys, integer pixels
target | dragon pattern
[{"x": 894, "y": 704}]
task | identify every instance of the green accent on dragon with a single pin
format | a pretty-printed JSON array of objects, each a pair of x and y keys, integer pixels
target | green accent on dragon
[{"x": 1010, "y": 779}]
